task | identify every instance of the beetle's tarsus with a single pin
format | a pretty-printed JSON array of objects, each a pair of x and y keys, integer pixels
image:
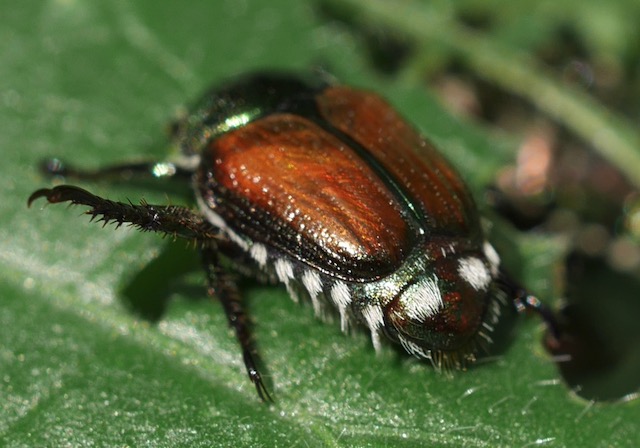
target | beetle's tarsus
[{"x": 65, "y": 193}]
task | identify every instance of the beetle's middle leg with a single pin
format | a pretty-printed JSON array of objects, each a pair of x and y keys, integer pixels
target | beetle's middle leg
[
  {"x": 142, "y": 170},
  {"x": 222, "y": 286}
]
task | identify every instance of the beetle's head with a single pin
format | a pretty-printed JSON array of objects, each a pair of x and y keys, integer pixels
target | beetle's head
[{"x": 445, "y": 309}]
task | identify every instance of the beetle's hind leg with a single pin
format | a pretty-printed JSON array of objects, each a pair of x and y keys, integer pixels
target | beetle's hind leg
[
  {"x": 167, "y": 219},
  {"x": 222, "y": 286},
  {"x": 180, "y": 222}
]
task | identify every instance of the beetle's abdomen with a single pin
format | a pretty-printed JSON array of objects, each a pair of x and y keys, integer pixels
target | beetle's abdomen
[{"x": 285, "y": 182}]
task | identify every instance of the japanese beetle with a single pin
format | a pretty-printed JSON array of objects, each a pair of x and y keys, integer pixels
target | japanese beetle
[{"x": 328, "y": 190}]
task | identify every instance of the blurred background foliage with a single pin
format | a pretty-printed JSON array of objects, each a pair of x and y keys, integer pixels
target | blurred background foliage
[{"x": 103, "y": 338}]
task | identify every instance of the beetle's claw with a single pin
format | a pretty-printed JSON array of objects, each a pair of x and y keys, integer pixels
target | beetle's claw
[
  {"x": 256, "y": 378},
  {"x": 63, "y": 193},
  {"x": 263, "y": 393},
  {"x": 43, "y": 192}
]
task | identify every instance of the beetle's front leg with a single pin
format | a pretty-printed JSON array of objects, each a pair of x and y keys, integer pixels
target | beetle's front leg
[
  {"x": 523, "y": 301},
  {"x": 222, "y": 286},
  {"x": 171, "y": 220}
]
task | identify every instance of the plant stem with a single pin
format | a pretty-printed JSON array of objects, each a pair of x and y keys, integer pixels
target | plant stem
[{"x": 610, "y": 134}]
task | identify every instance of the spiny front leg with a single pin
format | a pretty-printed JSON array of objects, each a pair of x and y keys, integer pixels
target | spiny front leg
[
  {"x": 221, "y": 286},
  {"x": 170, "y": 220}
]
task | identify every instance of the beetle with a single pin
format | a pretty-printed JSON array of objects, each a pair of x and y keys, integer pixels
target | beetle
[{"x": 328, "y": 190}]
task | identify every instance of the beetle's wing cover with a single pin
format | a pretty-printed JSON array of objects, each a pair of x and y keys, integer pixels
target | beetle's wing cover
[
  {"x": 285, "y": 182},
  {"x": 418, "y": 167}
]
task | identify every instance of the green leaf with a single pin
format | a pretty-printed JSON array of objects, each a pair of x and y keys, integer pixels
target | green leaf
[{"x": 95, "y": 82}]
